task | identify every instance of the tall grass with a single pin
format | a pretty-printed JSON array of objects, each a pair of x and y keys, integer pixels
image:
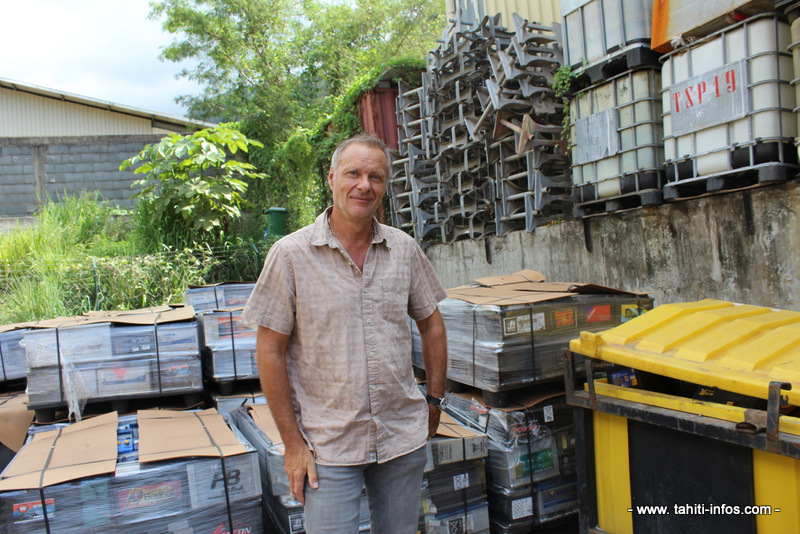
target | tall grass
[{"x": 83, "y": 255}]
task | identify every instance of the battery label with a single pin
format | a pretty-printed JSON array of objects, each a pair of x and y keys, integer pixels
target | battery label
[
  {"x": 30, "y": 511},
  {"x": 598, "y": 314},
  {"x": 564, "y": 318},
  {"x": 629, "y": 311},
  {"x": 153, "y": 494}
]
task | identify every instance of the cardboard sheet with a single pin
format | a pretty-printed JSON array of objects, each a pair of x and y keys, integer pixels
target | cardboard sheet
[
  {"x": 80, "y": 450},
  {"x": 15, "y": 419},
  {"x": 262, "y": 416},
  {"x": 165, "y": 435},
  {"x": 524, "y": 287}
]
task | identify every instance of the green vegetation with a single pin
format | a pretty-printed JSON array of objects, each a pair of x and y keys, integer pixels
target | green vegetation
[
  {"x": 192, "y": 186},
  {"x": 82, "y": 255},
  {"x": 284, "y": 78}
]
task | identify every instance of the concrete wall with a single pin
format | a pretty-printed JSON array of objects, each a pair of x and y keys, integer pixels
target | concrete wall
[
  {"x": 33, "y": 169},
  {"x": 689, "y": 250}
]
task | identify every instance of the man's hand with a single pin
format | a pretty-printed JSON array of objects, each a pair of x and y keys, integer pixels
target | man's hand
[
  {"x": 434, "y": 413},
  {"x": 299, "y": 463}
]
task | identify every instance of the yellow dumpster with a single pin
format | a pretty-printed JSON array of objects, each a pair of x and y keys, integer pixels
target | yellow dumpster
[{"x": 686, "y": 421}]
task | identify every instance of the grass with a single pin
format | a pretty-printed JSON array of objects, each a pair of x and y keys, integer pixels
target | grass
[{"x": 84, "y": 255}]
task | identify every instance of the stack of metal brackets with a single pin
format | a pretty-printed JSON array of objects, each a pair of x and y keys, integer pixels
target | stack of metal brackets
[{"x": 480, "y": 139}]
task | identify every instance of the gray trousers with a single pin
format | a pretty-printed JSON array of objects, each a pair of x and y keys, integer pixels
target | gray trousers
[{"x": 393, "y": 492}]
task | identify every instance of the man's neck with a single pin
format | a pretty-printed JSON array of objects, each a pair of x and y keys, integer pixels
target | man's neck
[{"x": 358, "y": 231}]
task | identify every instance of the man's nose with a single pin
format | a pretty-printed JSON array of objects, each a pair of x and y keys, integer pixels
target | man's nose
[{"x": 363, "y": 182}]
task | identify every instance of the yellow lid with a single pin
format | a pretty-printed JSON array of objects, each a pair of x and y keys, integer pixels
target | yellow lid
[{"x": 738, "y": 348}]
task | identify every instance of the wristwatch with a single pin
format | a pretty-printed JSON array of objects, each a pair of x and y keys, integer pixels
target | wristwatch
[{"x": 440, "y": 403}]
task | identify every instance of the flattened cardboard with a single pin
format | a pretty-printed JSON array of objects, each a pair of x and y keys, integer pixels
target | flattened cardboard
[
  {"x": 521, "y": 400},
  {"x": 15, "y": 419},
  {"x": 12, "y": 326},
  {"x": 525, "y": 287},
  {"x": 262, "y": 416},
  {"x": 525, "y": 275},
  {"x": 165, "y": 435},
  {"x": 144, "y": 316},
  {"x": 84, "y": 449},
  {"x": 455, "y": 443}
]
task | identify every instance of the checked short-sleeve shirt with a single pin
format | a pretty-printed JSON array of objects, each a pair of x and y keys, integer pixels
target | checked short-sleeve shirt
[{"x": 349, "y": 354}]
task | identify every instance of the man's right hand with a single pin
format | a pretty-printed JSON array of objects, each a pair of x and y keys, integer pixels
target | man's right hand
[{"x": 299, "y": 464}]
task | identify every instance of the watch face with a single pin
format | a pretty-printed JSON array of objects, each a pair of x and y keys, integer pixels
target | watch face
[{"x": 443, "y": 404}]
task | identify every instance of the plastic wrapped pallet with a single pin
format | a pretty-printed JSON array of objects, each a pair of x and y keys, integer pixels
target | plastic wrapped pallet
[
  {"x": 141, "y": 353},
  {"x": 229, "y": 345},
  {"x": 519, "y": 510},
  {"x": 191, "y": 473},
  {"x": 12, "y": 354},
  {"x": 219, "y": 296},
  {"x": 246, "y": 395},
  {"x": 257, "y": 426},
  {"x": 530, "y": 440},
  {"x": 454, "y": 483},
  {"x": 506, "y": 332}
]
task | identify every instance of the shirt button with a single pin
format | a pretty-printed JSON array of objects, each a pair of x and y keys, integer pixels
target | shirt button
[
  {"x": 369, "y": 320},
  {"x": 373, "y": 388},
  {"x": 366, "y": 290},
  {"x": 371, "y": 354}
]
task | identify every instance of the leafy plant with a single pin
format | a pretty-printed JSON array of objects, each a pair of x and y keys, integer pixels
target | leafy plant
[{"x": 192, "y": 183}]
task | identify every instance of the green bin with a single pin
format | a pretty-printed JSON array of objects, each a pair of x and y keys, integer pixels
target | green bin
[{"x": 276, "y": 219}]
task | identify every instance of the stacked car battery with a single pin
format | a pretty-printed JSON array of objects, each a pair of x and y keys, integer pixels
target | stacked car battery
[
  {"x": 113, "y": 356},
  {"x": 228, "y": 343},
  {"x": 454, "y": 483},
  {"x": 480, "y": 139},
  {"x": 282, "y": 510},
  {"x": 507, "y": 332},
  {"x": 12, "y": 354},
  {"x": 615, "y": 115},
  {"x": 506, "y": 335},
  {"x": 531, "y": 462},
  {"x": 156, "y": 471}
]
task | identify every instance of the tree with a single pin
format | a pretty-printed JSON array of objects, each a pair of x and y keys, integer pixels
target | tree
[
  {"x": 284, "y": 59},
  {"x": 192, "y": 183}
]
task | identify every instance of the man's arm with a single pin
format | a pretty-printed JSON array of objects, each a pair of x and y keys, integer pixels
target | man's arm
[
  {"x": 298, "y": 460},
  {"x": 434, "y": 355}
]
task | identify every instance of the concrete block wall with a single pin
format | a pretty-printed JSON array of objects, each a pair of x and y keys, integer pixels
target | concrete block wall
[
  {"x": 678, "y": 252},
  {"x": 33, "y": 170}
]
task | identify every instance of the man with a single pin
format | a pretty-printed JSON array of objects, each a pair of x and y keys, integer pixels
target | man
[{"x": 334, "y": 353}]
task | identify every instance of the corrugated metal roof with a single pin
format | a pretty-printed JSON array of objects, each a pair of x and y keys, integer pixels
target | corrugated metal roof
[
  {"x": 543, "y": 11},
  {"x": 30, "y": 110}
]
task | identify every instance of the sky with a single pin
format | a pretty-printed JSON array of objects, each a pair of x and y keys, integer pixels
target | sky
[{"x": 104, "y": 49}]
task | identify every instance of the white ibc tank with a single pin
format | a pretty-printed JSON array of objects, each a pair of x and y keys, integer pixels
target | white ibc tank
[
  {"x": 728, "y": 101},
  {"x": 594, "y": 29},
  {"x": 616, "y": 137}
]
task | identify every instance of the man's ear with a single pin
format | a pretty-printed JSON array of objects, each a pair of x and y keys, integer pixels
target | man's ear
[{"x": 330, "y": 178}]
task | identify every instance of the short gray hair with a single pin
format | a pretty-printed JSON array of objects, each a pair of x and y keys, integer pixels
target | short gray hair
[{"x": 363, "y": 139}]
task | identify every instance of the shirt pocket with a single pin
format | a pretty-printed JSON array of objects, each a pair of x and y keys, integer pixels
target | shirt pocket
[{"x": 394, "y": 301}]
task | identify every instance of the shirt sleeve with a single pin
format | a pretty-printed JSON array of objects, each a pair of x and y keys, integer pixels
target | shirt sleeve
[
  {"x": 426, "y": 290},
  {"x": 272, "y": 302}
]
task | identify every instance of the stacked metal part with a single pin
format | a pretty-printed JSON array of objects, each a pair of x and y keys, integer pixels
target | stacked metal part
[{"x": 479, "y": 140}]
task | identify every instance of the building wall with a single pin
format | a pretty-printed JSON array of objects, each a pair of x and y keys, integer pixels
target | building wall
[
  {"x": 34, "y": 169},
  {"x": 25, "y": 114},
  {"x": 685, "y": 251},
  {"x": 543, "y": 11}
]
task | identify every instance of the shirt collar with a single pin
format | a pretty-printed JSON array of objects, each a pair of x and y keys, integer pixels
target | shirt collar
[{"x": 321, "y": 233}]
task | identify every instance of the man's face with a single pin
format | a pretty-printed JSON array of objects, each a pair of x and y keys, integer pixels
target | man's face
[{"x": 359, "y": 181}]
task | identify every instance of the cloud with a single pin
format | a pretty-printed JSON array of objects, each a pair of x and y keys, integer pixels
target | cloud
[{"x": 105, "y": 49}]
